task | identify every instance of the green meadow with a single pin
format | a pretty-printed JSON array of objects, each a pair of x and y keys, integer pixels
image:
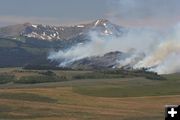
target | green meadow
[{"x": 85, "y": 95}]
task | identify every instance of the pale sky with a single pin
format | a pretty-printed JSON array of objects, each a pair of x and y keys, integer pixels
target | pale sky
[
  {"x": 161, "y": 13},
  {"x": 51, "y": 11}
]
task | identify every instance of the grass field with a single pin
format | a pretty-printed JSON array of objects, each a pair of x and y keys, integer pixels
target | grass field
[{"x": 134, "y": 98}]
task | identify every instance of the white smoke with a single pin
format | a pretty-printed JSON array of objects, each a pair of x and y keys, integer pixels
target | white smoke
[
  {"x": 166, "y": 56},
  {"x": 161, "y": 52},
  {"x": 170, "y": 65}
]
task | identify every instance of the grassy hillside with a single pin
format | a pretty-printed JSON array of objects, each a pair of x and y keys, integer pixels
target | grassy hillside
[
  {"x": 123, "y": 98},
  {"x": 30, "y": 76},
  {"x": 23, "y": 51},
  {"x": 19, "y": 53}
]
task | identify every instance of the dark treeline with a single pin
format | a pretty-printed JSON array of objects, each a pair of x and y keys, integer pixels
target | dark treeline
[{"x": 44, "y": 67}]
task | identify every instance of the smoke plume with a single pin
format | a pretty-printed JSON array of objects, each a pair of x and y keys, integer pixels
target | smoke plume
[
  {"x": 166, "y": 56},
  {"x": 161, "y": 52}
]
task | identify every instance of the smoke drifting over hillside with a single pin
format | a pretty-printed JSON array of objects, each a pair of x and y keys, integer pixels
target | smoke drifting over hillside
[
  {"x": 148, "y": 48},
  {"x": 161, "y": 51},
  {"x": 165, "y": 57}
]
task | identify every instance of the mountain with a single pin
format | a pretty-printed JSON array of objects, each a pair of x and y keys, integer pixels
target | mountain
[
  {"x": 28, "y": 43},
  {"x": 107, "y": 61},
  {"x": 53, "y": 33},
  {"x": 111, "y": 60}
]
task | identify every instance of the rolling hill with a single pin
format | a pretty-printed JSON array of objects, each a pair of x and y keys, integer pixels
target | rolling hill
[{"x": 28, "y": 43}]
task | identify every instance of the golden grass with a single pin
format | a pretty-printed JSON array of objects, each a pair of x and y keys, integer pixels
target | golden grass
[{"x": 73, "y": 106}]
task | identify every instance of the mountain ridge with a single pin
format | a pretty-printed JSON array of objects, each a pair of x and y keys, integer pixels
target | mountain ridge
[
  {"x": 50, "y": 32},
  {"x": 28, "y": 43}
]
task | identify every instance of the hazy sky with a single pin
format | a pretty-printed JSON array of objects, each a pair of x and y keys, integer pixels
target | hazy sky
[{"x": 161, "y": 13}]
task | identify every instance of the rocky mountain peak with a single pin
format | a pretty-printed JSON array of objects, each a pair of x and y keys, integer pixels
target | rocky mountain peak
[
  {"x": 101, "y": 22},
  {"x": 51, "y": 33}
]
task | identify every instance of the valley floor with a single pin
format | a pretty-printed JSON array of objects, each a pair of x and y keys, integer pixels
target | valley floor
[{"x": 87, "y": 99}]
